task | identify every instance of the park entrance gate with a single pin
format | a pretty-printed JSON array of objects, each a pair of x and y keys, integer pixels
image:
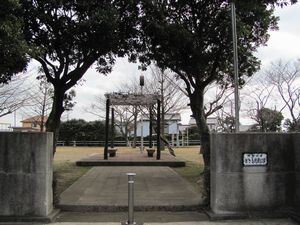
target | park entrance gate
[{"x": 148, "y": 100}]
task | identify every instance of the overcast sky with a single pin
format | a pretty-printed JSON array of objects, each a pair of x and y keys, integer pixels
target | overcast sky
[{"x": 283, "y": 44}]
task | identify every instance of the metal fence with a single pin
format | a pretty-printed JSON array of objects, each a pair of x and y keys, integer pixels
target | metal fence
[{"x": 123, "y": 143}]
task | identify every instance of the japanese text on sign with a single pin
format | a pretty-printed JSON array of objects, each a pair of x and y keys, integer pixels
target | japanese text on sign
[{"x": 255, "y": 159}]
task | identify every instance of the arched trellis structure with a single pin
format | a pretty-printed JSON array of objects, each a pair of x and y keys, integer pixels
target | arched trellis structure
[{"x": 135, "y": 100}]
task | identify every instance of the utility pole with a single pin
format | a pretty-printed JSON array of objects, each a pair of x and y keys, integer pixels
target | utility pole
[
  {"x": 162, "y": 102},
  {"x": 236, "y": 69},
  {"x": 142, "y": 83}
]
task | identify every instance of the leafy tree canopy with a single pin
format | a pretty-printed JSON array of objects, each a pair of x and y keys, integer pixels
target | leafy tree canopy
[
  {"x": 194, "y": 39},
  {"x": 80, "y": 130},
  {"x": 194, "y": 133},
  {"x": 226, "y": 124},
  {"x": 69, "y": 36},
  {"x": 292, "y": 126},
  {"x": 268, "y": 120},
  {"x": 13, "y": 47}
]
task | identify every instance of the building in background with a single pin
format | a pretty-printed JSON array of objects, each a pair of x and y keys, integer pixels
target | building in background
[
  {"x": 172, "y": 121},
  {"x": 212, "y": 123},
  {"x": 5, "y": 127},
  {"x": 32, "y": 124}
]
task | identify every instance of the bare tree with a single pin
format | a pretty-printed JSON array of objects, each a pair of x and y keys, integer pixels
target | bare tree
[
  {"x": 98, "y": 107},
  {"x": 39, "y": 106},
  {"x": 258, "y": 93},
  {"x": 285, "y": 76},
  {"x": 40, "y": 101},
  {"x": 225, "y": 117},
  {"x": 219, "y": 104},
  {"x": 14, "y": 95},
  {"x": 125, "y": 116},
  {"x": 157, "y": 82},
  {"x": 173, "y": 98},
  {"x": 172, "y": 94},
  {"x": 216, "y": 97}
]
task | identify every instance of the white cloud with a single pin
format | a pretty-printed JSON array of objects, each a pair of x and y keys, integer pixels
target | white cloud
[{"x": 284, "y": 43}]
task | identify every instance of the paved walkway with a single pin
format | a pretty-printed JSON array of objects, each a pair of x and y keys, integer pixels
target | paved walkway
[
  {"x": 105, "y": 189},
  {"x": 235, "y": 222},
  {"x": 241, "y": 222}
]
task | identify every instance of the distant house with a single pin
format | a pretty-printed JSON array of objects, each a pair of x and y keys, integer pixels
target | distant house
[
  {"x": 32, "y": 124},
  {"x": 5, "y": 127},
  {"x": 172, "y": 122},
  {"x": 212, "y": 123},
  {"x": 245, "y": 128}
]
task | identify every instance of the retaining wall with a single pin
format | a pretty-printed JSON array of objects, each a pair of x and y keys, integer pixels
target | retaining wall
[
  {"x": 238, "y": 188},
  {"x": 25, "y": 175}
]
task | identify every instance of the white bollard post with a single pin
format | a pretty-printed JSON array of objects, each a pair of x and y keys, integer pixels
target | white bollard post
[{"x": 130, "y": 220}]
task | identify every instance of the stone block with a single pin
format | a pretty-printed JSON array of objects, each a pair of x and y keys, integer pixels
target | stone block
[
  {"x": 25, "y": 174},
  {"x": 32, "y": 149},
  {"x": 296, "y": 148},
  {"x": 243, "y": 192},
  {"x": 236, "y": 188},
  {"x": 229, "y": 149},
  {"x": 227, "y": 192},
  {"x": 297, "y": 190}
]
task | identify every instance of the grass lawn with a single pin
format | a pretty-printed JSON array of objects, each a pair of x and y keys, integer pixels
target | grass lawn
[
  {"x": 67, "y": 172},
  {"x": 194, "y": 166}
]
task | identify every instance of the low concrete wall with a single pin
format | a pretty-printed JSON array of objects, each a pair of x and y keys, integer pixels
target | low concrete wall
[
  {"x": 296, "y": 146},
  {"x": 25, "y": 174},
  {"x": 236, "y": 188}
]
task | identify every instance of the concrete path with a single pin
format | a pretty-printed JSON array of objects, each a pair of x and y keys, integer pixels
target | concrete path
[
  {"x": 235, "y": 222},
  {"x": 105, "y": 189},
  {"x": 242, "y": 222}
]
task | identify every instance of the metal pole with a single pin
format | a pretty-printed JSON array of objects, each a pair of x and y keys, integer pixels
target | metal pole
[
  {"x": 142, "y": 121},
  {"x": 15, "y": 118},
  {"x": 236, "y": 71},
  {"x": 142, "y": 133},
  {"x": 112, "y": 128},
  {"x": 106, "y": 129},
  {"x": 150, "y": 129},
  {"x": 158, "y": 130},
  {"x": 187, "y": 136},
  {"x": 130, "y": 198}
]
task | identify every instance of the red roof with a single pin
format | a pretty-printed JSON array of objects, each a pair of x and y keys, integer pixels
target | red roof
[{"x": 35, "y": 119}]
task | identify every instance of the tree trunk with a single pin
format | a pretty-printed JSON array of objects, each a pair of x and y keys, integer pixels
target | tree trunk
[
  {"x": 52, "y": 125},
  {"x": 53, "y": 122},
  {"x": 43, "y": 110},
  {"x": 197, "y": 107},
  {"x": 126, "y": 134}
]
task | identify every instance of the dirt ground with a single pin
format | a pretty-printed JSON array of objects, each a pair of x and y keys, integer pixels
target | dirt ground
[{"x": 72, "y": 154}]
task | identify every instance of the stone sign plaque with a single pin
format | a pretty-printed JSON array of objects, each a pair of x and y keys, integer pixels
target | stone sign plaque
[{"x": 255, "y": 159}]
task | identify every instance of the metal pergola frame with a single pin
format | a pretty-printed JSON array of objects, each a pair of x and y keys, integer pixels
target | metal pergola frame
[{"x": 136, "y": 100}]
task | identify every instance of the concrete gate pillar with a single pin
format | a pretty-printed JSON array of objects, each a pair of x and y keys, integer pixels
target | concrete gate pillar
[
  {"x": 26, "y": 176},
  {"x": 254, "y": 173}
]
